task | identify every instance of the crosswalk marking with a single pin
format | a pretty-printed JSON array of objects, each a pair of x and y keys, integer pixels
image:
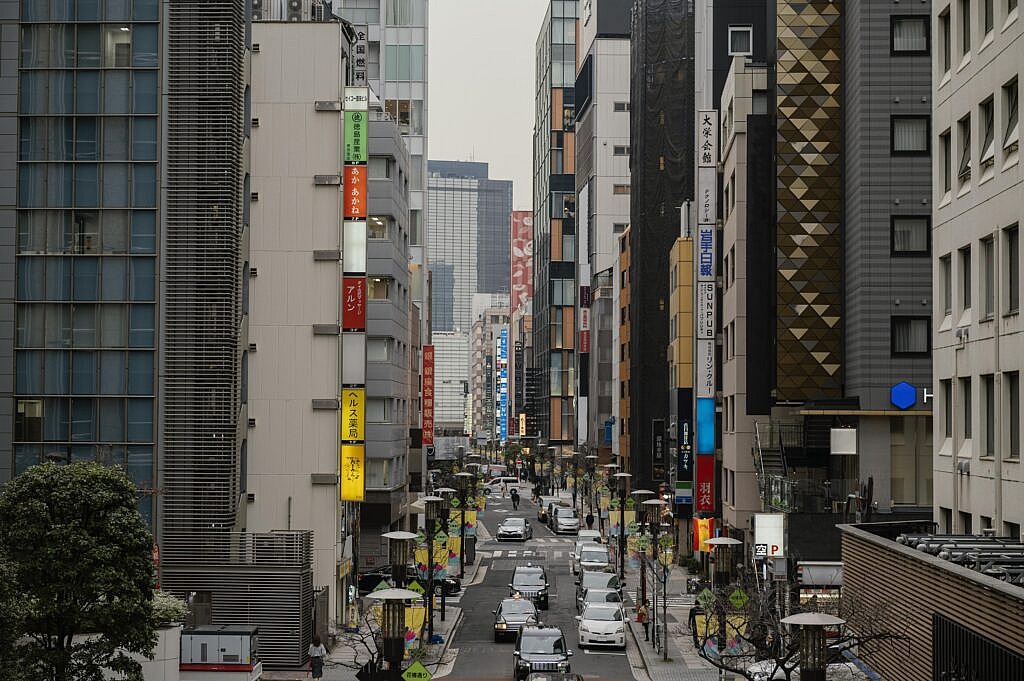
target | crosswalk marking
[{"x": 525, "y": 553}]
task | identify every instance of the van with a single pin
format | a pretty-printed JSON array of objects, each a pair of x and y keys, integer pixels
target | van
[{"x": 493, "y": 486}]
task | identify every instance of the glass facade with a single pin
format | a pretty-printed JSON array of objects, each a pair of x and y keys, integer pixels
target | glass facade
[{"x": 85, "y": 348}]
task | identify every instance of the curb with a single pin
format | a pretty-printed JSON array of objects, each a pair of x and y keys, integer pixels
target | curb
[
  {"x": 446, "y": 645},
  {"x": 639, "y": 647}
]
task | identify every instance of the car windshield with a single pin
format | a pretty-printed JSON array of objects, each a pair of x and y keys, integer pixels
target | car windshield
[
  {"x": 514, "y": 607},
  {"x": 603, "y": 614},
  {"x": 599, "y": 579},
  {"x": 514, "y": 522},
  {"x": 568, "y": 517},
  {"x": 594, "y": 556},
  {"x": 542, "y": 644},
  {"x": 528, "y": 579},
  {"x": 602, "y": 596}
]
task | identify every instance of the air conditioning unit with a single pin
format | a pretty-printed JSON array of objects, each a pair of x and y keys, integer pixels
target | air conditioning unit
[
  {"x": 294, "y": 10},
  {"x": 254, "y": 196},
  {"x": 256, "y": 46},
  {"x": 250, "y": 497},
  {"x": 255, "y": 122}
]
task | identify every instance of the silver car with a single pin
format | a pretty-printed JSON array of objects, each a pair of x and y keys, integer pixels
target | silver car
[
  {"x": 515, "y": 528},
  {"x": 594, "y": 557}
]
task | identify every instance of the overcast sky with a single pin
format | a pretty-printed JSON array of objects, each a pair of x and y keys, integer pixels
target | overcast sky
[{"x": 481, "y": 86}]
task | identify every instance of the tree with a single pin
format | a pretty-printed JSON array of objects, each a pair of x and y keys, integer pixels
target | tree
[
  {"x": 80, "y": 561},
  {"x": 749, "y": 624}
]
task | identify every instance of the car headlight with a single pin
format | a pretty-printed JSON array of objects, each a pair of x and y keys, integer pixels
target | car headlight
[
  {"x": 621, "y": 630},
  {"x": 583, "y": 628},
  {"x": 500, "y": 625},
  {"x": 522, "y": 663},
  {"x": 563, "y": 666}
]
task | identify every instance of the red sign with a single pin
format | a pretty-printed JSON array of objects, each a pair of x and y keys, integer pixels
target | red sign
[
  {"x": 428, "y": 395},
  {"x": 584, "y": 342},
  {"x": 522, "y": 258},
  {"x": 353, "y": 308},
  {"x": 355, "y": 191},
  {"x": 704, "y": 484}
]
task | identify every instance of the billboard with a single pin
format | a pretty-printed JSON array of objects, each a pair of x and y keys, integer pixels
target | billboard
[
  {"x": 353, "y": 311},
  {"x": 705, "y": 484},
  {"x": 353, "y": 415},
  {"x": 522, "y": 259},
  {"x": 502, "y": 411},
  {"x": 353, "y": 472},
  {"x": 428, "y": 396}
]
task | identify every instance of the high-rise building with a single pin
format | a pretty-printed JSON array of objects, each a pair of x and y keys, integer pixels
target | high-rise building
[
  {"x": 662, "y": 138},
  {"x": 489, "y": 335},
  {"x": 602, "y": 208},
  {"x": 469, "y": 244},
  {"x": 451, "y": 381},
  {"x": 977, "y": 63},
  {"x": 554, "y": 222}
]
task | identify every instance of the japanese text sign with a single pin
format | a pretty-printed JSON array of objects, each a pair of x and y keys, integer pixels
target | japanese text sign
[
  {"x": 353, "y": 415},
  {"x": 352, "y": 473},
  {"x": 355, "y": 191},
  {"x": 353, "y": 310}
]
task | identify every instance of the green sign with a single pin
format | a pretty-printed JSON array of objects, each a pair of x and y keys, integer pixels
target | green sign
[
  {"x": 417, "y": 587},
  {"x": 417, "y": 672},
  {"x": 356, "y": 128},
  {"x": 603, "y": 489},
  {"x": 455, "y": 502},
  {"x": 421, "y": 538},
  {"x": 630, "y": 503},
  {"x": 706, "y": 598},
  {"x": 632, "y": 528},
  {"x": 381, "y": 585},
  {"x": 738, "y": 598},
  {"x": 643, "y": 542},
  {"x": 613, "y": 504}
]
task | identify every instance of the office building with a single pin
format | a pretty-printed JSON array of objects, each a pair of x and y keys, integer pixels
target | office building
[
  {"x": 451, "y": 381},
  {"x": 602, "y": 174},
  {"x": 489, "y": 335},
  {"x": 977, "y": 62},
  {"x": 662, "y": 137},
  {"x": 554, "y": 223}
]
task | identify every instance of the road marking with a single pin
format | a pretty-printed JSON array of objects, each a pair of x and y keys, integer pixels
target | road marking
[
  {"x": 587, "y": 651},
  {"x": 496, "y": 554}
]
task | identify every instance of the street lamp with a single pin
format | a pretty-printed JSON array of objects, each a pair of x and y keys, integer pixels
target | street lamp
[
  {"x": 433, "y": 506},
  {"x": 653, "y": 507},
  {"x": 392, "y": 626},
  {"x": 726, "y": 543},
  {"x": 591, "y": 465},
  {"x": 398, "y": 546},
  {"x": 623, "y": 480},
  {"x": 813, "y": 646},
  {"x": 463, "y": 482},
  {"x": 641, "y": 522}
]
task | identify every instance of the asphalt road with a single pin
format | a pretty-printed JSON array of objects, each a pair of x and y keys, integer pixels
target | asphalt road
[{"x": 479, "y": 657}]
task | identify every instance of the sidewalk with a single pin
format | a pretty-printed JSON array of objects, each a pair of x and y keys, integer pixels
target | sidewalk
[{"x": 339, "y": 663}]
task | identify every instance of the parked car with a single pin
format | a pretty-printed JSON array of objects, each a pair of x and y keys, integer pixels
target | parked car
[
  {"x": 540, "y": 649},
  {"x": 530, "y": 581},
  {"x": 512, "y": 615},
  {"x": 554, "y": 676},
  {"x": 515, "y": 528},
  {"x": 601, "y": 625},
  {"x": 493, "y": 486},
  {"x": 582, "y": 540},
  {"x": 596, "y": 580},
  {"x": 594, "y": 557},
  {"x": 593, "y": 535},
  {"x": 555, "y": 506},
  {"x": 600, "y": 596},
  {"x": 368, "y": 581},
  {"x": 566, "y": 521}
]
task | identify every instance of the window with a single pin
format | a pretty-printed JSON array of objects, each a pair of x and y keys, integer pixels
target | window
[
  {"x": 910, "y": 336},
  {"x": 909, "y": 135},
  {"x": 741, "y": 40},
  {"x": 988, "y": 389},
  {"x": 910, "y": 235},
  {"x": 377, "y": 227},
  {"x": 378, "y": 288},
  {"x": 988, "y": 277},
  {"x": 946, "y": 272},
  {"x": 910, "y": 34},
  {"x": 986, "y": 113},
  {"x": 621, "y": 106},
  {"x": 378, "y": 349},
  {"x": 988, "y": 15},
  {"x": 965, "y": 411},
  {"x": 1012, "y": 246},
  {"x": 965, "y": 27},
  {"x": 965, "y": 278},
  {"x": 620, "y": 189},
  {"x": 1013, "y": 413},
  {"x": 406, "y": 13},
  {"x": 379, "y": 167},
  {"x": 947, "y": 407},
  {"x": 946, "y": 142},
  {"x": 619, "y": 227},
  {"x": 620, "y": 150},
  {"x": 376, "y": 410},
  {"x": 963, "y": 131},
  {"x": 947, "y": 41},
  {"x": 1010, "y": 131}
]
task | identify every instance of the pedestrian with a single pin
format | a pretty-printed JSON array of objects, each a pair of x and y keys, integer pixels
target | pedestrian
[
  {"x": 515, "y": 500},
  {"x": 590, "y": 520},
  {"x": 504, "y": 490},
  {"x": 643, "y": 617},
  {"x": 317, "y": 653}
]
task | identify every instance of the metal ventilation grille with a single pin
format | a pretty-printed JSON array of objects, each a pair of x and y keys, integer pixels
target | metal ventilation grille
[{"x": 201, "y": 297}]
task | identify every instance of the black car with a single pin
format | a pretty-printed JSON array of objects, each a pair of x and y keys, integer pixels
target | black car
[
  {"x": 515, "y": 528},
  {"x": 368, "y": 581},
  {"x": 596, "y": 580},
  {"x": 540, "y": 649},
  {"x": 512, "y": 615},
  {"x": 530, "y": 581}
]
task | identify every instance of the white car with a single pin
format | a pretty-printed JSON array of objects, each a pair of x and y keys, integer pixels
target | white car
[
  {"x": 601, "y": 625},
  {"x": 582, "y": 541},
  {"x": 593, "y": 557}
]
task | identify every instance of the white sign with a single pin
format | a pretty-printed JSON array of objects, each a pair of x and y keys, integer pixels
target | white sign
[
  {"x": 770, "y": 530},
  {"x": 707, "y": 196},
  {"x": 707, "y": 138},
  {"x": 584, "y": 319},
  {"x": 706, "y": 310},
  {"x": 357, "y": 99},
  {"x": 705, "y": 252},
  {"x": 705, "y": 380}
]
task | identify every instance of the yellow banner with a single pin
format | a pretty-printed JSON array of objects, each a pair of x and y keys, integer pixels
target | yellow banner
[
  {"x": 353, "y": 415},
  {"x": 702, "y": 533},
  {"x": 352, "y": 473}
]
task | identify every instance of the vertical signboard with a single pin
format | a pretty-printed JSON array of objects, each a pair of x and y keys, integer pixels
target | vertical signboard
[
  {"x": 705, "y": 492},
  {"x": 684, "y": 455},
  {"x": 428, "y": 396},
  {"x": 706, "y": 309},
  {"x": 707, "y": 138},
  {"x": 522, "y": 259},
  {"x": 502, "y": 386},
  {"x": 360, "y": 55},
  {"x": 658, "y": 447},
  {"x": 584, "y": 345},
  {"x": 352, "y": 316}
]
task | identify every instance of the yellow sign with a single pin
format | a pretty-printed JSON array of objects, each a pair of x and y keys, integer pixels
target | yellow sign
[
  {"x": 352, "y": 473},
  {"x": 522, "y": 425},
  {"x": 353, "y": 415}
]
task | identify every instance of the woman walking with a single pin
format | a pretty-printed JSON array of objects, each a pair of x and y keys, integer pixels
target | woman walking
[
  {"x": 317, "y": 653},
  {"x": 643, "y": 617}
]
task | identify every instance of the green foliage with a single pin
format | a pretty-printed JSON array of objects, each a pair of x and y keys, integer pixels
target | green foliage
[
  {"x": 168, "y": 609},
  {"x": 81, "y": 573}
]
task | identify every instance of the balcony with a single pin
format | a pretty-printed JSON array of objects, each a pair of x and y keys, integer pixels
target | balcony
[{"x": 803, "y": 493}]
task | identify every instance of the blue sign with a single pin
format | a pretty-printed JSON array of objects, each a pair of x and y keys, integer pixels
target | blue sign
[
  {"x": 903, "y": 395},
  {"x": 503, "y": 385},
  {"x": 705, "y": 425}
]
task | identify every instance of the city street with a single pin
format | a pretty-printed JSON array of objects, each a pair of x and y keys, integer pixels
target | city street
[{"x": 476, "y": 654}]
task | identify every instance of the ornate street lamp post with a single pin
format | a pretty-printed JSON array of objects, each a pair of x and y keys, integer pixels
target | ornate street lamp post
[
  {"x": 654, "y": 507},
  {"x": 398, "y": 547},
  {"x": 623, "y": 481},
  {"x": 433, "y": 506},
  {"x": 392, "y": 627},
  {"x": 639, "y": 495},
  {"x": 813, "y": 645},
  {"x": 463, "y": 481}
]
